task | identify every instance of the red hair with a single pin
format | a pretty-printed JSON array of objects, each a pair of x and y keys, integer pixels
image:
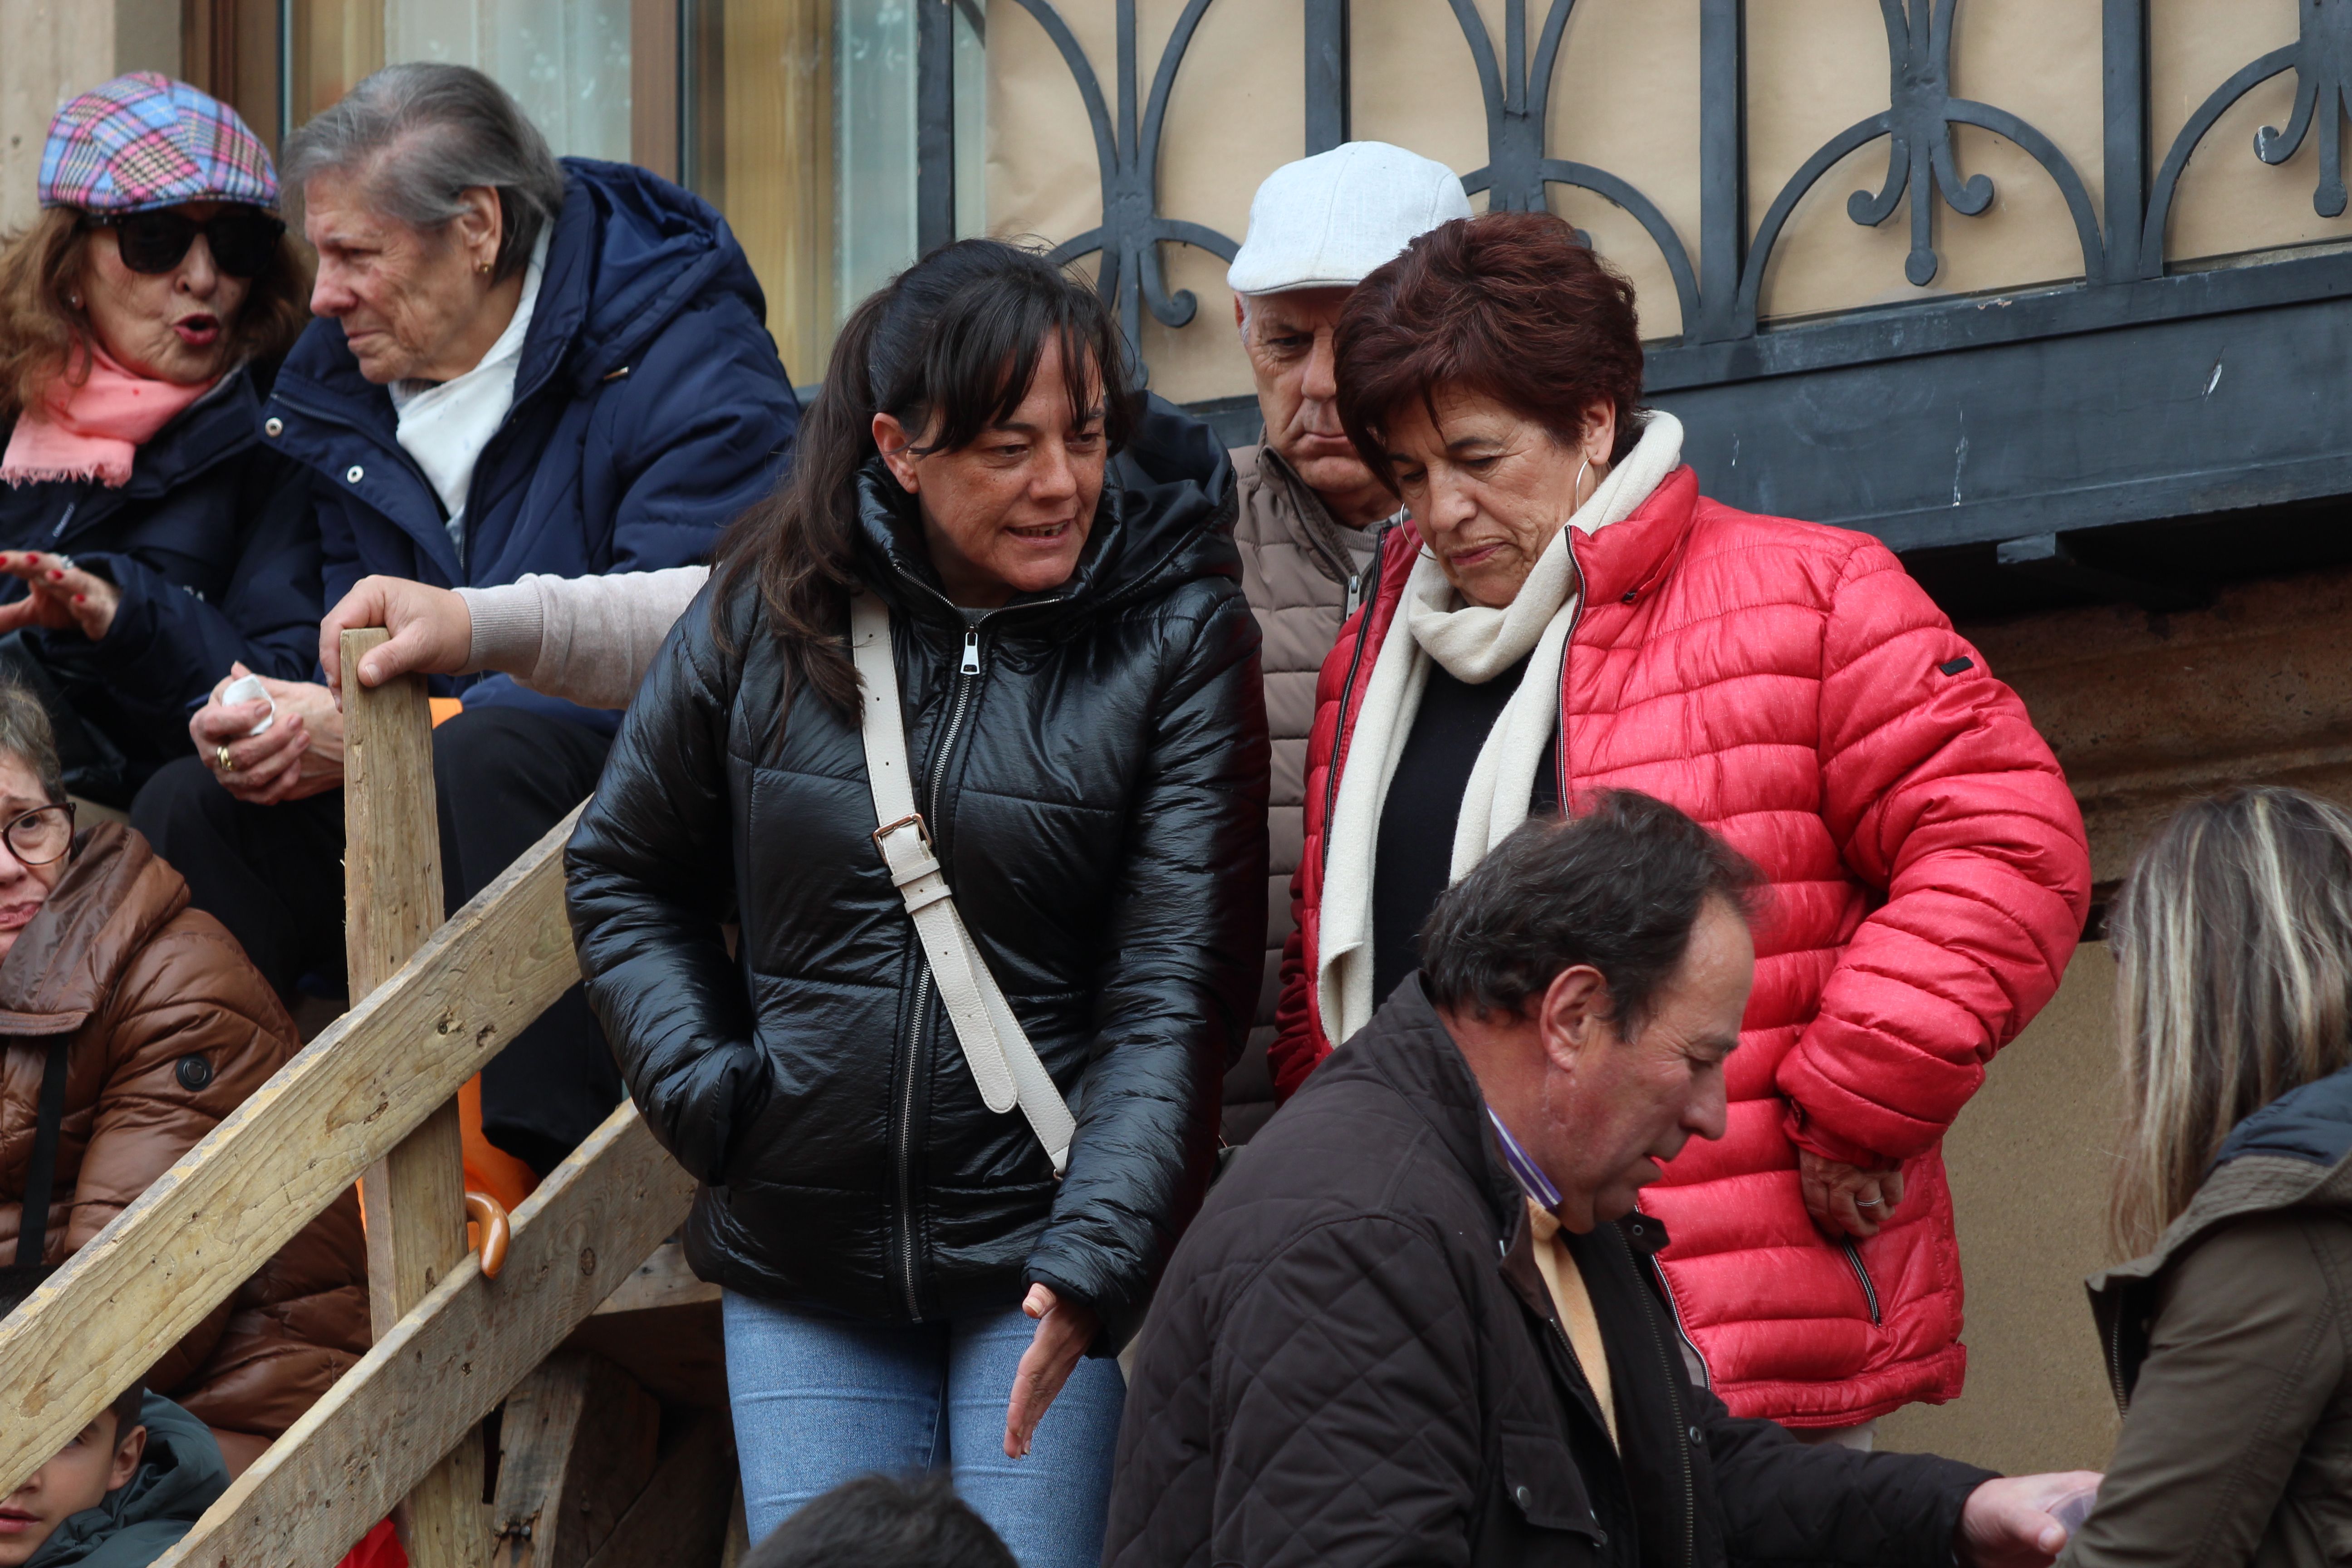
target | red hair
[{"x": 1506, "y": 305}]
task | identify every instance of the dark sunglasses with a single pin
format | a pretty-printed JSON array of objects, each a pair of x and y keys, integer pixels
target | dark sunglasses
[{"x": 242, "y": 239}]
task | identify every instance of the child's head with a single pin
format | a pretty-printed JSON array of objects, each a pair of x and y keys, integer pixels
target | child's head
[
  {"x": 105, "y": 1455},
  {"x": 877, "y": 1522}
]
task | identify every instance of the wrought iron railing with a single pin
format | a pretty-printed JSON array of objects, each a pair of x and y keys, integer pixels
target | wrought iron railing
[{"x": 1719, "y": 295}]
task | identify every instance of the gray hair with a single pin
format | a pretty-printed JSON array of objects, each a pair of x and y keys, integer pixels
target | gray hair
[
  {"x": 2233, "y": 939},
  {"x": 27, "y": 735},
  {"x": 427, "y": 133}
]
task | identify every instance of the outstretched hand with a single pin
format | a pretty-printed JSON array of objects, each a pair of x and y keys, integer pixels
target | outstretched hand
[
  {"x": 432, "y": 631},
  {"x": 2006, "y": 1523},
  {"x": 61, "y": 596},
  {"x": 1065, "y": 1329}
]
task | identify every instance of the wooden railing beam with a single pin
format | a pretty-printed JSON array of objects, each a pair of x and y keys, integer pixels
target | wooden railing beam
[
  {"x": 415, "y": 1198},
  {"x": 350, "y": 1097},
  {"x": 390, "y": 1418}
]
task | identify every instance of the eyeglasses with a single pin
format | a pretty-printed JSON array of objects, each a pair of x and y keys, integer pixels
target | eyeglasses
[
  {"x": 241, "y": 238},
  {"x": 41, "y": 834}
]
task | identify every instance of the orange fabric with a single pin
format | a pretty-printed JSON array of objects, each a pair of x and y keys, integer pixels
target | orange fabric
[
  {"x": 445, "y": 709},
  {"x": 488, "y": 1168}
]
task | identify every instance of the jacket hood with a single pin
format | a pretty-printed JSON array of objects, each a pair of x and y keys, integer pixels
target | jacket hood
[
  {"x": 2295, "y": 1151},
  {"x": 115, "y": 895},
  {"x": 1166, "y": 517},
  {"x": 181, "y": 1475},
  {"x": 628, "y": 251}
]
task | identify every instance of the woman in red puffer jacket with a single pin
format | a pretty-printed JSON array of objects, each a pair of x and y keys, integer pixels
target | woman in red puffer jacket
[{"x": 1569, "y": 614}]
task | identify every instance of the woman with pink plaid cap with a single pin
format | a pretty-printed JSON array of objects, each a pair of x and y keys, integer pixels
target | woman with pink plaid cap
[{"x": 149, "y": 539}]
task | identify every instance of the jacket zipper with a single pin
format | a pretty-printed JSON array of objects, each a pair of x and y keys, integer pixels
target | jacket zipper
[
  {"x": 1682, "y": 1428},
  {"x": 1347, "y": 690},
  {"x": 918, "y": 1029},
  {"x": 1862, "y": 1277},
  {"x": 1682, "y": 1330}
]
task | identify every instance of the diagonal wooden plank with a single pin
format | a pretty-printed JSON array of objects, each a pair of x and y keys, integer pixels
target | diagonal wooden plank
[
  {"x": 430, "y": 1380},
  {"x": 241, "y": 1193}
]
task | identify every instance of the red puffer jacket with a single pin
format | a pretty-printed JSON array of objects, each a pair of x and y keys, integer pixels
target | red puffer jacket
[{"x": 1790, "y": 686}]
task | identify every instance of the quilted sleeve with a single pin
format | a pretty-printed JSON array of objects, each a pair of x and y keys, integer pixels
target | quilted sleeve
[
  {"x": 1174, "y": 1008},
  {"x": 647, "y": 910},
  {"x": 1939, "y": 791},
  {"x": 1348, "y": 1440},
  {"x": 1789, "y": 1502}
]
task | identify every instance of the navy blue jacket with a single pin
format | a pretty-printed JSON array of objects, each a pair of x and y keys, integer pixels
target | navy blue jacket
[
  {"x": 216, "y": 550},
  {"x": 650, "y": 408}
]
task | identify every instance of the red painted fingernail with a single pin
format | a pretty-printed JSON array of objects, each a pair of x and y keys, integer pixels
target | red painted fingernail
[
  {"x": 57, "y": 576},
  {"x": 82, "y": 598}
]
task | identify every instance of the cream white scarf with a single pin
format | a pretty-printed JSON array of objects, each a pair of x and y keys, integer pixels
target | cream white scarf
[{"x": 1475, "y": 645}]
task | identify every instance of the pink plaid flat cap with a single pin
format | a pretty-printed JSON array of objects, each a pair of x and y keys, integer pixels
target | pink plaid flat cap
[{"x": 143, "y": 141}]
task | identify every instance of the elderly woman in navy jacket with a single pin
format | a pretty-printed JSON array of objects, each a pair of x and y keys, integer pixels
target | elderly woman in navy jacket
[
  {"x": 523, "y": 366},
  {"x": 148, "y": 537}
]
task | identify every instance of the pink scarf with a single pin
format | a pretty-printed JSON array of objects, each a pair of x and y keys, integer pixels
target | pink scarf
[{"x": 94, "y": 430}]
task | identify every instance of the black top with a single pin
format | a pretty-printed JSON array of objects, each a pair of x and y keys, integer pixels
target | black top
[{"x": 1414, "y": 850}]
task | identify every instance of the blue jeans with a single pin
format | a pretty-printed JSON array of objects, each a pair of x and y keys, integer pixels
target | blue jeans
[{"x": 822, "y": 1400}]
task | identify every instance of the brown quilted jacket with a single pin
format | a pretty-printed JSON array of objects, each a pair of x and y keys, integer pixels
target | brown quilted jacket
[
  {"x": 1297, "y": 561},
  {"x": 172, "y": 1029}
]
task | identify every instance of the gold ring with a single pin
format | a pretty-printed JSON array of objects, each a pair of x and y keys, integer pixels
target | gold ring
[{"x": 227, "y": 764}]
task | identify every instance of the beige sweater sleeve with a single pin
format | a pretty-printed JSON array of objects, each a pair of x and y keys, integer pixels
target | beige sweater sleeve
[{"x": 583, "y": 639}]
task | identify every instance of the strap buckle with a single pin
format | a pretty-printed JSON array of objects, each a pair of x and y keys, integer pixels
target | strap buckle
[{"x": 912, "y": 819}]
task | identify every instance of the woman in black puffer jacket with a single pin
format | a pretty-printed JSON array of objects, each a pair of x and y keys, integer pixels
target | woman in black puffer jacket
[{"x": 1078, "y": 676}]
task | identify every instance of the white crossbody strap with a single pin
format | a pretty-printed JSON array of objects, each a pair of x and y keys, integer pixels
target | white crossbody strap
[{"x": 1002, "y": 1061}]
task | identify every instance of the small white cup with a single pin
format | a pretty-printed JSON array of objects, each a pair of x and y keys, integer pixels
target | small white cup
[{"x": 248, "y": 689}]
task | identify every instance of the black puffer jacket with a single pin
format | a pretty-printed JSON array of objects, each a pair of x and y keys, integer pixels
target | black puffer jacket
[
  {"x": 1096, "y": 792},
  {"x": 1356, "y": 1362}
]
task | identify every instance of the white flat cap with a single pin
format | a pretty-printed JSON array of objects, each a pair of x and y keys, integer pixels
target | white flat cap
[{"x": 1325, "y": 221}]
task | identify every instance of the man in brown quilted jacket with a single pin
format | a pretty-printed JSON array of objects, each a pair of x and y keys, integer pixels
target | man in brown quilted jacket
[
  {"x": 1310, "y": 512},
  {"x": 167, "y": 1028}
]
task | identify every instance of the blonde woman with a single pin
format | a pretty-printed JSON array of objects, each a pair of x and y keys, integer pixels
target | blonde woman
[{"x": 2229, "y": 1336}]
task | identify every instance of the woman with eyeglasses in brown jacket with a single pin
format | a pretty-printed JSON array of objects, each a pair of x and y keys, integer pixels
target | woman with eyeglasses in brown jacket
[{"x": 161, "y": 1028}]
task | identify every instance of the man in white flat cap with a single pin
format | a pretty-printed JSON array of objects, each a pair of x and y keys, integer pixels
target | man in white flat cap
[{"x": 1311, "y": 513}]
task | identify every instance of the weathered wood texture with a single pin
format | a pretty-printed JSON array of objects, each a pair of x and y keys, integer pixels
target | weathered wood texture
[
  {"x": 576, "y": 1446},
  {"x": 342, "y": 1466},
  {"x": 416, "y": 1196},
  {"x": 662, "y": 1280},
  {"x": 680, "y": 1520},
  {"x": 350, "y": 1096}
]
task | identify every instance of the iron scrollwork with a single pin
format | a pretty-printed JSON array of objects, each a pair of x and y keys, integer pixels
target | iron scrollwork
[
  {"x": 2321, "y": 58},
  {"x": 1917, "y": 122},
  {"x": 1128, "y": 153},
  {"x": 1517, "y": 93}
]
